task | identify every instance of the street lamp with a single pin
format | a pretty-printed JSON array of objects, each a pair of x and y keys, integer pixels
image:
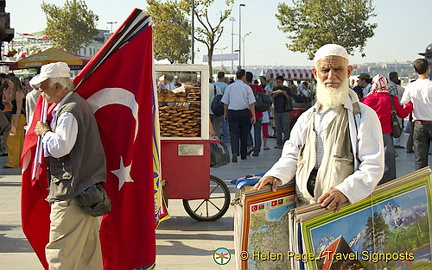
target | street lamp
[
  {"x": 221, "y": 51},
  {"x": 243, "y": 49},
  {"x": 232, "y": 41},
  {"x": 111, "y": 23},
  {"x": 240, "y": 5}
]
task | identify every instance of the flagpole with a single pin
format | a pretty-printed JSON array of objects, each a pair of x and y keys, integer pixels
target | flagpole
[{"x": 39, "y": 151}]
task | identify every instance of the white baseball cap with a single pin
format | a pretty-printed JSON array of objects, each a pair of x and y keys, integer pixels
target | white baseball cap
[
  {"x": 53, "y": 70},
  {"x": 330, "y": 49}
]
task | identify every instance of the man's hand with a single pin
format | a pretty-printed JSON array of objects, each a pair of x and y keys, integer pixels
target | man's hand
[
  {"x": 253, "y": 120},
  {"x": 273, "y": 181},
  {"x": 13, "y": 130},
  {"x": 41, "y": 128},
  {"x": 332, "y": 198}
]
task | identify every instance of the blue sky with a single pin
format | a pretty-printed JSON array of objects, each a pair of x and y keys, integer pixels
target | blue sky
[{"x": 403, "y": 28}]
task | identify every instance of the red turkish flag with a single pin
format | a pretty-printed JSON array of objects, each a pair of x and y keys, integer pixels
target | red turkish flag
[
  {"x": 120, "y": 91},
  {"x": 35, "y": 209},
  {"x": 118, "y": 84}
]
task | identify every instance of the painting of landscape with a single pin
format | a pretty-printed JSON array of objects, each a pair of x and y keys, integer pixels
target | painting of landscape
[{"x": 393, "y": 233}]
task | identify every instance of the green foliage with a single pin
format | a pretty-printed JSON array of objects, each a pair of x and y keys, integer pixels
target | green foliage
[
  {"x": 410, "y": 238},
  {"x": 170, "y": 32},
  {"x": 208, "y": 33},
  {"x": 71, "y": 26},
  {"x": 311, "y": 24},
  {"x": 377, "y": 234}
]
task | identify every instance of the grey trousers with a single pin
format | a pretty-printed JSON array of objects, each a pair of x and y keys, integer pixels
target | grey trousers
[
  {"x": 282, "y": 123},
  {"x": 422, "y": 137},
  {"x": 389, "y": 158}
]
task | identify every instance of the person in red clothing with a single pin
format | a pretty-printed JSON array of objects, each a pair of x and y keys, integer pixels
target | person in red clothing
[
  {"x": 379, "y": 100},
  {"x": 256, "y": 145}
]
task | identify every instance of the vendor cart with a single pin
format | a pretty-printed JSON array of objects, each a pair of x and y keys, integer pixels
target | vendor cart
[{"x": 185, "y": 143}]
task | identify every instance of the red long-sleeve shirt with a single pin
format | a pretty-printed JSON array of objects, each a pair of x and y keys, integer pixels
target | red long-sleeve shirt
[{"x": 381, "y": 103}]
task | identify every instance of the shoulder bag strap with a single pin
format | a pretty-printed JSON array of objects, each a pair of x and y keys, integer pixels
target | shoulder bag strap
[{"x": 392, "y": 104}]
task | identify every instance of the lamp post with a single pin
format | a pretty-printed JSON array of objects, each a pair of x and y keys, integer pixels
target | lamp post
[
  {"x": 240, "y": 5},
  {"x": 221, "y": 51},
  {"x": 232, "y": 41},
  {"x": 111, "y": 23},
  {"x": 243, "y": 49}
]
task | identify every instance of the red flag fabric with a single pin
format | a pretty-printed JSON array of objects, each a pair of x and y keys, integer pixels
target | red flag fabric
[
  {"x": 120, "y": 91},
  {"x": 35, "y": 209}
]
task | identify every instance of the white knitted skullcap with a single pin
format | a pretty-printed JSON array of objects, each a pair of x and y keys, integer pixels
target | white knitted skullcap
[{"x": 330, "y": 49}]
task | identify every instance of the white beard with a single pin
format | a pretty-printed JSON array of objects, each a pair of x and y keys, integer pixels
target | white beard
[{"x": 332, "y": 97}]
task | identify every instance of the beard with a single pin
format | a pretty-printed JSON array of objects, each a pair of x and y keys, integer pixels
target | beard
[{"x": 332, "y": 97}]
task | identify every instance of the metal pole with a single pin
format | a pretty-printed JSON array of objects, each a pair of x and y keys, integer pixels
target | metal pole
[
  {"x": 193, "y": 32},
  {"x": 111, "y": 23},
  {"x": 232, "y": 41},
  {"x": 239, "y": 48}
]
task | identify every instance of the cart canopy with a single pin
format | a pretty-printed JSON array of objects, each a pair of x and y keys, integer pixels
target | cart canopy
[
  {"x": 51, "y": 55},
  {"x": 290, "y": 74}
]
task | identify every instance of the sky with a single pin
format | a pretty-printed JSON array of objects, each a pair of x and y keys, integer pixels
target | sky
[{"x": 403, "y": 29}]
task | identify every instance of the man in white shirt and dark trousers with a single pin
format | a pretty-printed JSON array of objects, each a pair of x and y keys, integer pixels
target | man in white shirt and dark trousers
[
  {"x": 239, "y": 107},
  {"x": 420, "y": 94}
]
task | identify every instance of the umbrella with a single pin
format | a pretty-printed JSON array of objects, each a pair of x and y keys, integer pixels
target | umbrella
[{"x": 51, "y": 55}]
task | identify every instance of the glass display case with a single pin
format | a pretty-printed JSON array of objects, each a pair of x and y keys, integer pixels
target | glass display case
[{"x": 183, "y": 98}]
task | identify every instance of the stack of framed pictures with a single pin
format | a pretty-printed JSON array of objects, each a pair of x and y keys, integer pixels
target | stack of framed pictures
[
  {"x": 261, "y": 227},
  {"x": 390, "y": 229}
]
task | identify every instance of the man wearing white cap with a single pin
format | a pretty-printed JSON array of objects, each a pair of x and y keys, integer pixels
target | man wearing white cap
[
  {"x": 335, "y": 151},
  {"x": 76, "y": 158}
]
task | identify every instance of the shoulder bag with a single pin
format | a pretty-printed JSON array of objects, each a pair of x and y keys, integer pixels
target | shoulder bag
[
  {"x": 396, "y": 128},
  {"x": 94, "y": 201}
]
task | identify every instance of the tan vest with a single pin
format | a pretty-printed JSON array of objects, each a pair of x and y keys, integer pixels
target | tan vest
[{"x": 337, "y": 162}]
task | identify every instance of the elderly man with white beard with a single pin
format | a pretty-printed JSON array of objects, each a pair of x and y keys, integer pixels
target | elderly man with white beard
[{"x": 335, "y": 153}]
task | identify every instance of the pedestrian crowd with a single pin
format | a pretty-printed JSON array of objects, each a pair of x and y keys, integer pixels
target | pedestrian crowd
[
  {"x": 248, "y": 127},
  {"x": 18, "y": 101}
]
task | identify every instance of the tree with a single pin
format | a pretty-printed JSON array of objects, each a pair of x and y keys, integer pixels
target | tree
[
  {"x": 71, "y": 26},
  {"x": 170, "y": 32},
  {"x": 377, "y": 235},
  {"x": 208, "y": 34},
  {"x": 311, "y": 24}
]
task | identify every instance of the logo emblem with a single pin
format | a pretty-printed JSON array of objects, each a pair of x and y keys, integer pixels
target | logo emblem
[{"x": 221, "y": 256}]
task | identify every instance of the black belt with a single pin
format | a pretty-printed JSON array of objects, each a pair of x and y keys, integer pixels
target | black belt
[{"x": 311, "y": 181}]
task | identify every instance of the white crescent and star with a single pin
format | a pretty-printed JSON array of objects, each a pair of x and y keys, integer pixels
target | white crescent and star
[{"x": 110, "y": 96}]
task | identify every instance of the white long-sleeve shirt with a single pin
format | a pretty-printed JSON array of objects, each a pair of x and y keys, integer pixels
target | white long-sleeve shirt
[
  {"x": 60, "y": 142},
  {"x": 368, "y": 150},
  {"x": 420, "y": 94}
]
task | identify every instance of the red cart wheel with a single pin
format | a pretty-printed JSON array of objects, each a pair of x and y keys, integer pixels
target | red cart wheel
[{"x": 214, "y": 207}]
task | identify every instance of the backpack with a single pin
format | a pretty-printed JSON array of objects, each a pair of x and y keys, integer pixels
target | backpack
[
  {"x": 216, "y": 105},
  {"x": 263, "y": 101}
]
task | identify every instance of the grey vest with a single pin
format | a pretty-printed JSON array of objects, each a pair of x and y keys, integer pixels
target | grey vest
[{"x": 85, "y": 164}]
